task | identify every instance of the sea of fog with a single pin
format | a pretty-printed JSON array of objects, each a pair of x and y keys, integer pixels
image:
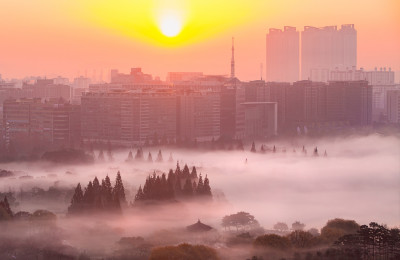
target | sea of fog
[{"x": 359, "y": 179}]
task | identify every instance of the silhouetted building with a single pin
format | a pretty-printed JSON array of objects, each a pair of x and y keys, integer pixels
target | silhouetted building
[
  {"x": 349, "y": 102},
  {"x": 30, "y": 122},
  {"x": 232, "y": 113},
  {"x": 324, "y": 49},
  {"x": 256, "y": 91},
  {"x": 381, "y": 80},
  {"x": 277, "y": 93},
  {"x": 260, "y": 120},
  {"x": 198, "y": 227},
  {"x": 134, "y": 77},
  {"x": 128, "y": 117},
  {"x": 183, "y": 76},
  {"x": 283, "y": 55},
  {"x": 198, "y": 116},
  {"x": 46, "y": 89},
  {"x": 305, "y": 103},
  {"x": 374, "y": 77},
  {"x": 81, "y": 82},
  {"x": 393, "y": 106}
]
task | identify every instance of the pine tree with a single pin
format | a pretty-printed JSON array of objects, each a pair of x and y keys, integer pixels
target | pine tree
[
  {"x": 149, "y": 157},
  {"x": 139, "y": 195},
  {"x": 88, "y": 197},
  {"x": 159, "y": 156},
  {"x": 177, "y": 186},
  {"x": 164, "y": 187},
  {"x": 119, "y": 190},
  {"x": 253, "y": 147},
  {"x": 147, "y": 189},
  {"x": 76, "y": 201},
  {"x": 7, "y": 206},
  {"x": 170, "y": 158},
  {"x": 206, "y": 188},
  {"x": 200, "y": 185},
  {"x": 96, "y": 194},
  {"x": 316, "y": 152},
  {"x": 187, "y": 188},
  {"x": 139, "y": 154},
  {"x": 177, "y": 170},
  {"x": 186, "y": 171},
  {"x": 274, "y": 149},
  {"x": 108, "y": 187},
  {"x": 130, "y": 157},
  {"x": 193, "y": 175},
  {"x": 194, "y": 186}
]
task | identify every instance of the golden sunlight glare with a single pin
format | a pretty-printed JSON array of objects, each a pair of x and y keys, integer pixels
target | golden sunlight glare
[{"x": 170, "y": 25}]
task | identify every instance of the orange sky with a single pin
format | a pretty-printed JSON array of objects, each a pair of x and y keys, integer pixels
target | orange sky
[{"x": 64, "y": 37}]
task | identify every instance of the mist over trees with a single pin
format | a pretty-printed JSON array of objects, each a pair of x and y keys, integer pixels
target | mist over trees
[
  {"x": 179, "y": 184},
  {"x": 98, "y": 197}
]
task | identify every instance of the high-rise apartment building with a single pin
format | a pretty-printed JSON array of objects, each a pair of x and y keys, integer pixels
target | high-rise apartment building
[
  {"x": 128, "y": 117},
  {"x": 349, "y": 102},
  {"x": 393, "y": 106},
  {"x": 198, "y": 116},
  {"x": 232, "y": 112},
  {"x": 324, "y": 49},
  {"x": 305, "y": 103},
  {"x": 283, "y": 55},
  {"x": 31, "y": 123}
]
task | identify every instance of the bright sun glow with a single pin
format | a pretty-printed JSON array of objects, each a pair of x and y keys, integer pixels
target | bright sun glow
[{"x": 170, "y": 25}]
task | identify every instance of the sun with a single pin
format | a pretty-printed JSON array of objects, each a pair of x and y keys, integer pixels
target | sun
[{"x": 170, "y": 25}]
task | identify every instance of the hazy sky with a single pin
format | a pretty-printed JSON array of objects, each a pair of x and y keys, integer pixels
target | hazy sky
[{"x": 67, "y": 37}]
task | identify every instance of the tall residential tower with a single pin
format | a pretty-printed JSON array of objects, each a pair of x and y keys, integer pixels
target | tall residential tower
[
  {"x": 327, "y": 48},
  {"x": 283, "y": 55}
]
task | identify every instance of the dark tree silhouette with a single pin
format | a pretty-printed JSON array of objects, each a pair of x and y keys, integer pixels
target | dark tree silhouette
[
  {"x": 149, "y": 157},
  {"x": 253, "y": 147},
  {"x": 130, "y": 156},
  {"x": 282, "y": 227},
  {"x": 159, "y": 156},
  {"x": 98, "y": 198},
  {"x": 179, "y": 184},
  {"x": 119, "y": 190}
]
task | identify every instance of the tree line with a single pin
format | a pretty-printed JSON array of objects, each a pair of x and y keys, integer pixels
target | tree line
[
  {"x": 98, "y": 197},
  {"x": 179, "y": 184}
]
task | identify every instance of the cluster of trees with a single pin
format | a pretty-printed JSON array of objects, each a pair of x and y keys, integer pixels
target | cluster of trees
[
  {"x": 339, "y": 239},
  {"x": 98, "y": 197},
  {"x": 371, "y": 242},
  {"x": 179, "y": 184},
  {"x": 140, "y": 156},
  {"x": 264, "y": 149}
]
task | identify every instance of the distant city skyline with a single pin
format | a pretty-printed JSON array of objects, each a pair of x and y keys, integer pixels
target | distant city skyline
[{"x": 69, "y": 36}]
